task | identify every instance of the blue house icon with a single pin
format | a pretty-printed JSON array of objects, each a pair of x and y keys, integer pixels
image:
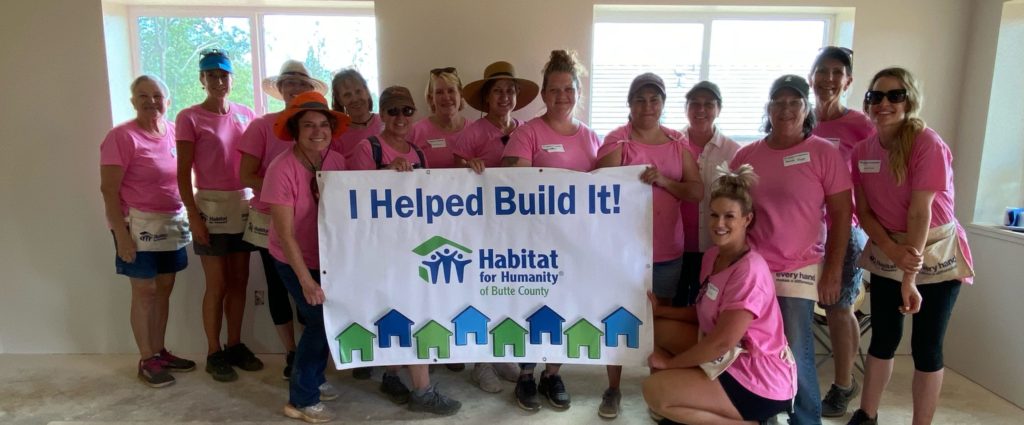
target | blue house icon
[
  {"x": 470, "y": 321},
  {"x": 394, "y": 324},
  {"x": 621, "y": 322},
  {"x": 545, "y": 320}
]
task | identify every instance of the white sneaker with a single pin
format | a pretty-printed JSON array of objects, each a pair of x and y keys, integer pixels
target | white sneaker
[
  {"x": 328, "y": 392},
  {"x": 314, "y": 414}
]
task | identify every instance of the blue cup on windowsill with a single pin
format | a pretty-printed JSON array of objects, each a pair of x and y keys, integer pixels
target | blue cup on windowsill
[{"x": 1014, "y": 217}]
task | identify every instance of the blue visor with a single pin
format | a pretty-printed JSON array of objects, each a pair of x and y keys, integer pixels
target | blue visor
[{"x": 211, "y": 62}]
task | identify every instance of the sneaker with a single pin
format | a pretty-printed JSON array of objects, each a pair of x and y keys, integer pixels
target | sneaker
[
  {"x": 610, "y": 400},
  {"x": 217, "y": 365},
  {"x": 362, "y": 373},
  {"x": 456, "y": 367},
  {"x": 153, "y": 373},
  {"x": 314, "y": 414},
  {"x": 836, "y": 400},
  {"x": 392, "y": 386},
  {"x": 552, "y": 388},
  {"x": 239, "y": 356},
  {"x": 328, "y": 392},
  {"x": 289, "y": 359},
  {"x": 526, "y": 393},
  {"x": 507, "y": 371},
  {"x": 483, "y": 376},
  {"x": 861, "y": 418},
  {"x": 175, "y": 363},
  {"x": 434, "y": 402}
]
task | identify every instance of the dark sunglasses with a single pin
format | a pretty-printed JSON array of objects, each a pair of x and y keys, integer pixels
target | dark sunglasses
[
  {"x": 446, "y": 70},
  {"x": 405, "y": 110},
  {"x": 874, "y": 97}
]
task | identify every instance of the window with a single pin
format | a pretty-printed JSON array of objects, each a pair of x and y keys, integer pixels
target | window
[
  {"x": 741, "y": 51},
  {"x": 166, "y": 42}
]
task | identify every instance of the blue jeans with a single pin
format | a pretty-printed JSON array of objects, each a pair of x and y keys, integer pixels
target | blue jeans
[
  {"x": 797, "y": 314},
  {"x": 312, "y": 351}
]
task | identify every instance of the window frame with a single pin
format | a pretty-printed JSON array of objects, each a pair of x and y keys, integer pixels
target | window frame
[
  {"x": 838, "y": 23},
  {"x": 254, "y": 14}
]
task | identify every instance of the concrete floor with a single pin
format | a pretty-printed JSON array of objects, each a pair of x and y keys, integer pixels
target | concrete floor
[{"x": 103, "y": 389}]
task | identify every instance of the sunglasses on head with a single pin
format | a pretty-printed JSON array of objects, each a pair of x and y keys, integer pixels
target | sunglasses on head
[
  {"x": 405, "y": 110},
  {"x": 874, "y": 97},
  {"x": 446, "y": 70}
]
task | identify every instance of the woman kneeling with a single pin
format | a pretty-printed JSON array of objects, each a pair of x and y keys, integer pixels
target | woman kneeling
[{"x": 740, "y": 369}]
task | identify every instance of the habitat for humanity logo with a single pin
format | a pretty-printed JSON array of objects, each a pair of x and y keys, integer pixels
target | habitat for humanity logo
[{"x": 441, "y": 256}]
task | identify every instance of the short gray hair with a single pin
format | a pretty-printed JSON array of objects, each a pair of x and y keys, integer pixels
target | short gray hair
[{"x": 146, "y": 77}]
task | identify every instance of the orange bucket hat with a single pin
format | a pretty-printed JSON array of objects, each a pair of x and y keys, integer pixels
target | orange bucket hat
[{"x": 308, "y": 101}]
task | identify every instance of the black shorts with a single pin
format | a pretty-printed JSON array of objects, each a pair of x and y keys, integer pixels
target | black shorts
[
  {"x": 752, "y": 407},
  {"x": 222, "y": 244}
]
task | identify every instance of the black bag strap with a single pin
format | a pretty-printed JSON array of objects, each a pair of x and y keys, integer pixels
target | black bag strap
[{"x": 378, "y": 153}]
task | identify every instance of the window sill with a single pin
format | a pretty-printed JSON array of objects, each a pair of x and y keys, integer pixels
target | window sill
[{"x": 994, "y": 231}]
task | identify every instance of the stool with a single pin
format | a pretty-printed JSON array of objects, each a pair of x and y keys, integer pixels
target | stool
[{"x": 821, "y": 332}]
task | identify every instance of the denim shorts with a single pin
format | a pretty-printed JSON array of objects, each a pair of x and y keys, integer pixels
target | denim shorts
[
  {"x": 665, "y": 277},
  {"x": 149, "y": 264},
  {"x": 222, "y": 244},
  {"x": 852, "y": 275}
]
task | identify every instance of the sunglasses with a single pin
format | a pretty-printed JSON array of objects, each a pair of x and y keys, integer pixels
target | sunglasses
[
  {"x": 874, "y": 97},
  {"x": 446, "y": 70},
  {"x": 405, "y": 110}
]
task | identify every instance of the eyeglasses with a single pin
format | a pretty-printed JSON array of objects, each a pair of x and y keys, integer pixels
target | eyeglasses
[
  {"x": 446, "y": 70},
  {"x": 874, "y": 97},
  {"x": 405, "y": 110}
]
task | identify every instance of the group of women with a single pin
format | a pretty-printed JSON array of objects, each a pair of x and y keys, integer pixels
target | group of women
[{"x": 746, "y": 240}]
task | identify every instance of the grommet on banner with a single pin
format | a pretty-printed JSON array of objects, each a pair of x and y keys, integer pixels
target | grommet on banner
[{"x": 323, "y": 271}]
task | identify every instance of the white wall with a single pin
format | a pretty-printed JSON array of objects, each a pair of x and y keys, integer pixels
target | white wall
[{"x": 60, "y": 293}]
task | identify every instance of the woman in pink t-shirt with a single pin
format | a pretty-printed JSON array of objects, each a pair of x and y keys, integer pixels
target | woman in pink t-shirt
[
  {"x": 917, "y": 252},
  {"x": 674, "y": 175},
  {"x": 802, "y": 178},
  {"x": 555, "y": 140},
  {"x": 497, "y": 95},
  {"x": 208, "y": 136},
  {"x": 259, "y": 146},
  {"x": 738, "y": 318},
  {"x": 290, "y": 188},
  {"x": 393, "y": 151},
  {"x": 144, "y": 213},
  {"x": 436, "y": 134},
  {"x": 351, "y": 95},
  {"x": 831, "y": 76}
]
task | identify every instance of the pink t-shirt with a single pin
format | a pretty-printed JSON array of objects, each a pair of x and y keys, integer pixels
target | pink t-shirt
[
  {"x": 536, "y": 142},
  {"x": 667, "y": 157},
  {"x": 482, "y": 139},
  {"x": 846, "y": 132},
  {"x": 259, "y": 141},
  {"x": 930, "y": 168},
  {"x": 748, "y": 285},
  {"x": 789, "y": 199},
  {"x": 287, "y": 183},
  {"x": 150, "y": 167},
  {"x": 216, "y": 138},
  {"x": 346, "y": 142},
  {"x": 435, "y": 143},
  {"x": 362, "y": 156}
]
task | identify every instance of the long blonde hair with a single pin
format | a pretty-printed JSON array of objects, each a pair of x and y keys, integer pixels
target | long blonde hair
[{"x": 899, "y": 152}]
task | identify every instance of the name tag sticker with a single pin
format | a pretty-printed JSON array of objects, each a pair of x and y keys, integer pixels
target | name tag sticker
[
  {"x": 437, "y": 143},
  {"x": 553, "y": 148},
  {"x": 869, "y": 165},
  {"x": 835, "y": 141},
  {"x": 797, "y": 158},
  {"x": 712, "y": 292}
]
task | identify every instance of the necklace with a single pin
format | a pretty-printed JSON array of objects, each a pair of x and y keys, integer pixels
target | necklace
[
  {"x": 364, "y": 123},
  {"x": 312, "y": 167}
]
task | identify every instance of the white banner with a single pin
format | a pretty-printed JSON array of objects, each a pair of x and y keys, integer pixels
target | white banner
[{"x": 514, "y": 265}]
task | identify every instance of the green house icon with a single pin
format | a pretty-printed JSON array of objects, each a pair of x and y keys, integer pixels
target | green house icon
[
  {"x": 353, "y": 338},
  {"x": 433, "y": 335},
  {"x": 583, "y": 334},
  {"x": 508, "y": 332}
]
